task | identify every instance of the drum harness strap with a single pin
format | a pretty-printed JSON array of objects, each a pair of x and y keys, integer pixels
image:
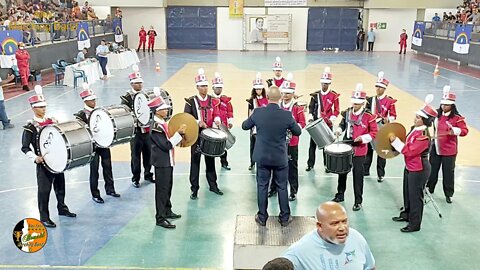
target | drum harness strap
[
  {"x": 350, "y": 123},
  {"x": 320, "y": 105},
  {"x": 204, "y": 109}
]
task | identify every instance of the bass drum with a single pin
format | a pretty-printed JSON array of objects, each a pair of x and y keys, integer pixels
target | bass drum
[
  {"x": 339, "y": 158},
  {"x": 140, "y": 106},
  {"x": 65, "y": 146},
  {"x": 112, "y": 125}
]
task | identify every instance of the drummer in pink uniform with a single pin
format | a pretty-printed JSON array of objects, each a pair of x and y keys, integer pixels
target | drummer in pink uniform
[
  {"x": 360, "y": 129},
  {"x": 277, "y": 79},
  {"x": 204, "y": 108},
  {"x": 258, "y": 98},
  {"x": 324, "y": 104},
  {"x": 225, "y": 110},
  {"x": 45, "y": 178}
]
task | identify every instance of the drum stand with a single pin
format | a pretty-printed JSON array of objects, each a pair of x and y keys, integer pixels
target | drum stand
[{"x": 429, "y": 198}]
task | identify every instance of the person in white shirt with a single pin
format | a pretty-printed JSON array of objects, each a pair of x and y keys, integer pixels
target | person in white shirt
[
  {"x": 81, "y": 55},
  {"x": 3, "y": 113},
  {"x": 101, "y": 52},
  {"x": 256, "y": 35},
  {"x": 333, "y": 245}
]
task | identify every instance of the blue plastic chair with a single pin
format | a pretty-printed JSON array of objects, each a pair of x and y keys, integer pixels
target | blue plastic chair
[
  {"x": 59, "y": 73},
  {"x": 79, "y": 74}
]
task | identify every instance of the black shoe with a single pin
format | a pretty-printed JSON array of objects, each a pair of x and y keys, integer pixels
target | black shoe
[
  {"x": 357, "y": 207},
  {"x": 25, "y": 88},
  {"x": 226, "y": 167},
  {"x": 149, "y": 178},
  {"x": 380, "y": 179},
  {"x": 173, "y": 216},
  {"x": 327, "y": 170},
  {"x": 292, "y": 197},
  {"x": 193, "y": 196},
  {"x": 308, "y": 168},
  {"x": 138, "y": 50},
  {"x": 399, "y": 219},
  {"x": 272, "y": 193},
  {"x": 259, "y": 222},
  {"x": 337, "y": 199},
  {"x": 409, "y": 229},
  {"x": 286, "y": 222},
  {"x": 166, "y": 224},
  {"x": 251, "y": 167},
  {"x": 136, "y": 184},
  {"x": 49, "y": 224},
  {"x": 67, "y": 214},
  {"x": 113, "y": 194},
  {"x": 366, "y": 174},
  {"x": 448, "y": 199},
  {"x": 98, "y": 199},
  {"x": 217, "y": 191}
]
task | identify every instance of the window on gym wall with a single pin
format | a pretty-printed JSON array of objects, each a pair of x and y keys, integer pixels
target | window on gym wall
[
  {"x": 192, "y": 28},
  {"x": 330, "y": 28}
]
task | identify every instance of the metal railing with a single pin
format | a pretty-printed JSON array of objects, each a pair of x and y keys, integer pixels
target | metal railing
[
  {"x": 38, "y": 33},
  {"x": 447, "y": 30}
]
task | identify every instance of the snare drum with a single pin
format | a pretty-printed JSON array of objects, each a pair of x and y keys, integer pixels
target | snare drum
[
  {"x": 321, "y": 133},
  {"x": 212, "y": 142},
  {"x": 140, "y": 105},
  {"x": 112, "y": 125},
  {"x": 65, "y": 146},
  {"x": 339, "y": 158}
]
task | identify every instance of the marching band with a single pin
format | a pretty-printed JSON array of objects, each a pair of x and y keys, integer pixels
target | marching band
[{"x": 144, "y": 119}]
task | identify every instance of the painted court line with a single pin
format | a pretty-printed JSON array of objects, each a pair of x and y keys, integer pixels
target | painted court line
[
  {"x": 231, "y": 174},
  {"x": 95, "y": 267}
]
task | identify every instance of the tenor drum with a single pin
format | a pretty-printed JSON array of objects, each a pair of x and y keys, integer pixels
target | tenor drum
[
  {"x": 212, "y": 142},
  {"x": 112, "y": 125},
  {"x": 339, "y": 158},
  {"x": 230, "y": 138},
  {"x": 321, "y": 134},
  {"x": 66, "y": 146},
  {"x": 140, "y": 105}
]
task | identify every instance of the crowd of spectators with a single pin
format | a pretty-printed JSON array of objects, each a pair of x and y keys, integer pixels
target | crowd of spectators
[{"x": 467, "y": 13}]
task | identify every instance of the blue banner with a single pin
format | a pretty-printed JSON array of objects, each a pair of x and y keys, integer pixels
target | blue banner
[
  {"x": 10, "y": 40},
  {"x": 83, "y": 38},
  {"x": 461, "y": 45},
  {"x": 118, "y": 30},
  {"x": 418, "y": 31}
]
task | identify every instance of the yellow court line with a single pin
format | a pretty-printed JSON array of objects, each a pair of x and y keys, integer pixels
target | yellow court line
[{"x": 96, "y": 267}]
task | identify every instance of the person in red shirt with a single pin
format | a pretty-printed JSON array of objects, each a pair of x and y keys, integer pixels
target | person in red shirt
[
  {"x": 403, "y": 41},
  {"x": 324, "y": 104},
  {"x": 23, "y": 64},
  {"x": 142, "y": 34},
  {"x": 383, "y": 107},
  {"x": 361, "y": 128},
  {"x": 448, "y": 126},
  {"x": 204, "y": 108},
  {"x": 225, "y": 110},
  {"x": 258, "y": 98},
  {"x": 417, "y": 168},
  {"x": 151, "y": 38},
  {"x": 288, "y": 103},
  {"x": 277, "y": 80}
]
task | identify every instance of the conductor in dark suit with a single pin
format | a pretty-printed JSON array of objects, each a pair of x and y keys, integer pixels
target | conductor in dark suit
[{"x": 270, "y": 154}]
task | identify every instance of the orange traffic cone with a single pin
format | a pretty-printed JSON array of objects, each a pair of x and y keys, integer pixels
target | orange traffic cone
[
  {"x": 157, "y": 68},
  {"x": 436, "y": 72}
]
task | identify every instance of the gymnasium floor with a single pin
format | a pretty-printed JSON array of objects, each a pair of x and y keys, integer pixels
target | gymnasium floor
[{"x": 121, "y": 233}]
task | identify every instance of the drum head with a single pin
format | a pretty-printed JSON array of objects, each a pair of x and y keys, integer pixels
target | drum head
[
  {"x": 101, "y": 126},
  {"x": 338, "y": 148},
  {"x": 141, "y": 109},
  {"x": 53, "y": 148},
  {"x": 214, "y": 134}
]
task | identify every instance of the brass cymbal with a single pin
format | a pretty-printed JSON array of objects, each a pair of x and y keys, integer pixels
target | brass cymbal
[
  {"x": 382, "y": 143},
  {"x": 191, "y": 133}
]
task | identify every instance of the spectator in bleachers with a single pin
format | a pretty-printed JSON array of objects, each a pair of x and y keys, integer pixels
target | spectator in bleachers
[
  {"x": 436, "y": 18},
  {"x": 445, "y": 16},
  {"x": 85, "y": 7},
  {"x": 81, "y": 55}
]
